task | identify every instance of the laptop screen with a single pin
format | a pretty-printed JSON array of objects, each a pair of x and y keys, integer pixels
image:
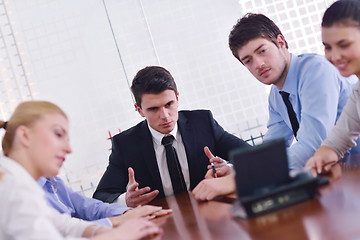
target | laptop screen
[{"x": 261, "y": 167}]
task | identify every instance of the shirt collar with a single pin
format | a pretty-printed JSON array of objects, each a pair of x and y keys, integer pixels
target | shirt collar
[
  {"x": 157, "y": 136},
  {"x": 14, "y": 168},
  {"x": 290, "y": 85},
  {"x": 41, "y": 181}
]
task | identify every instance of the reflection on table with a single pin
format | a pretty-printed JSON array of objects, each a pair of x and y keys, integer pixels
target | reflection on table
[{"x": 334, "y": 214}]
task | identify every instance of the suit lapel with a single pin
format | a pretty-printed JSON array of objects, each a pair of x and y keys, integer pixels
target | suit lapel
[
  {"x": 149, "y": 158},
  {"x": 188, "y": 137}
]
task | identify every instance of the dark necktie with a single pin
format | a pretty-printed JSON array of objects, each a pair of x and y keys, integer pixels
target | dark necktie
[
  {"x": 177, "y": 178},
  {"x": 293, "y": 120}
]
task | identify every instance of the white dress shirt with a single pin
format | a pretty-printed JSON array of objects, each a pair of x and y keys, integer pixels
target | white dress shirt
[
  {"x": 161, "y": 158},
  {"x": 24, "y": 211},
  {"x": 162, "y": 163}
]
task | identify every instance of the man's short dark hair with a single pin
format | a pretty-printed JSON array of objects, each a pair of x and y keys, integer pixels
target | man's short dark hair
[
  {"x": 152, "y": 80},
  {"x": 252, "y": 26}
]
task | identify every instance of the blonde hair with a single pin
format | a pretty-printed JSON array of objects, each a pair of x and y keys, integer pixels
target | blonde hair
[{"x": 26, "y": 113}]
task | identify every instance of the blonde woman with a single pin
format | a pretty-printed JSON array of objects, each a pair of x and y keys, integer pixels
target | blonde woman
[{"x": 35, "y": 144}]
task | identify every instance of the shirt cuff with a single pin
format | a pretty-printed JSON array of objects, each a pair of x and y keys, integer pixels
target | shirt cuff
[{"x": 122, "y": 200}]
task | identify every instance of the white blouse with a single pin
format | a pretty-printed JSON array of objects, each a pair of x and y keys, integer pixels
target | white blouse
[{"x": 24, "y": 213}]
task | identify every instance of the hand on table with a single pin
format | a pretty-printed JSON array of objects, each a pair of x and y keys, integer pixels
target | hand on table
[
  {"x": 134, "y": 229},
  {"x": 210, "y": 188},
  {"x": 135, "y": 196},
  {"x": 322, "y": 161},
  {"x": 147, "y": 212}
]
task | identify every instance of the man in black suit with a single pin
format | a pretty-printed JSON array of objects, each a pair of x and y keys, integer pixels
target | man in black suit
[{"x": 139, "y": 149}]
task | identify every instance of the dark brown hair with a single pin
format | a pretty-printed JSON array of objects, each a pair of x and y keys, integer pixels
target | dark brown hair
[
  {"x": 153, "y": 80},
  {"x": 344, "y": 12},
  {"x": 252, "y": 26}
]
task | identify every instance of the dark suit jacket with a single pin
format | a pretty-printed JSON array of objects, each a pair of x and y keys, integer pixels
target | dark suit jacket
[{"x": 134, "y": 148}]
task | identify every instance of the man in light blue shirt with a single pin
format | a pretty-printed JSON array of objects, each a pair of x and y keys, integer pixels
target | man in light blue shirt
[
  {"x": 315, "y": 91},
  {"x": 64, "y": 200}
]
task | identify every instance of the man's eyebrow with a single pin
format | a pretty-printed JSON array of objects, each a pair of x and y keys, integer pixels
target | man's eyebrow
[
  {"x": 154, "y": 107},
  {"x": 242, "y": 59}
]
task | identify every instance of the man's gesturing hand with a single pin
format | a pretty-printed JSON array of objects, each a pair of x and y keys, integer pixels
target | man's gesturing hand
[
  {"x": 134, "y": 195},
  {"x": 222, "y": 169}
]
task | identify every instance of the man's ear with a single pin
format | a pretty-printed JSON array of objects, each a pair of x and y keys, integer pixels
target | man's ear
[
  {"x": 281, "y": 41},
  {"x": 22, "y": 134},
  {"x": 139, "y": 110}
]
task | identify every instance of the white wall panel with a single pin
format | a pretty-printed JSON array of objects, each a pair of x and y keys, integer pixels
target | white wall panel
[{"x": 73, "y": 61}]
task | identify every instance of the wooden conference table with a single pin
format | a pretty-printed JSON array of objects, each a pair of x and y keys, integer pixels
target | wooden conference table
[{"x": 334, "y": 214}]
